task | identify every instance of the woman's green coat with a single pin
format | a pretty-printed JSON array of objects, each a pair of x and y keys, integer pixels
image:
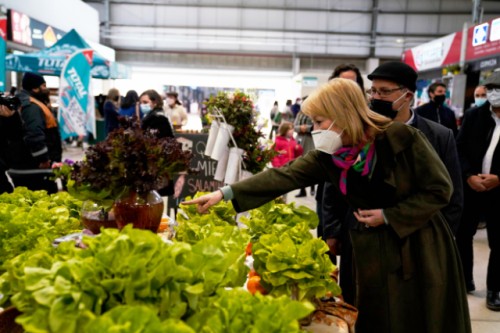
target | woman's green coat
[{"x": 408, "y": 272}]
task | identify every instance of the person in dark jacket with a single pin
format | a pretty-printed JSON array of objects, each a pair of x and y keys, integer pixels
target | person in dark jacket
[
  {"x": 8, "y": 123},
  {"x": 436, "y": 110},
  {"x": 110, "y": 109},
  {"x": 479, "y": 152},
  {"x": 129, "y": 106},
  {"x": 393, "y": 85},
  {"x": 37, "y": 144},
  {"x": 350, "y": 72},
  {"x": 151, "y": 105}
]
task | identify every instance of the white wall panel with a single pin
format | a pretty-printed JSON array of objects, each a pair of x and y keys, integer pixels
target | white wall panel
[
  {"x": 390, "y": 23},
  {"x": 349, "y": 22},
  {"x": 421, "y": 24}
]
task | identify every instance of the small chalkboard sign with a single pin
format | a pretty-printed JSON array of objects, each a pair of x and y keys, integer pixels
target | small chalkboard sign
[{"x": 203, "y": 181}]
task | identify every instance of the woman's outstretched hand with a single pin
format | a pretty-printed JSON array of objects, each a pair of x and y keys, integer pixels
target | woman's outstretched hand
[{"x": 205, "y": 201}]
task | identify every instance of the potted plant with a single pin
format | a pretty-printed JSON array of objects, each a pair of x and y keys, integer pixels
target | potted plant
[
  {"x": 125, "y": 170},
  {"x": 238, "y": 112}
]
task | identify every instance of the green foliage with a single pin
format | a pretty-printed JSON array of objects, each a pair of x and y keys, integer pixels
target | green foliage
[
  {"x": 62, "y": 290},
  {"x": 286, "y": 256},
  {"x": 33, "y": 219},
  {"x": 238, "y": 111},
  {"x": 129, "y": 159},
  {"x": 238, "y": 311}
]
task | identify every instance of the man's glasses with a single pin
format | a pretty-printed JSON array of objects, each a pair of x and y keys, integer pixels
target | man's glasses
[
  {"x": 495, "y": 89},
  {"x": 384, "y": 92}
]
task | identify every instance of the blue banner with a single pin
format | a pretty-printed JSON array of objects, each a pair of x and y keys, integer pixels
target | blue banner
[{"x": 76, "y": 103}]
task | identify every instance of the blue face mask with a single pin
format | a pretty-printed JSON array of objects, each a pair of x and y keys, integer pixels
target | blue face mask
[
  {"x": 145, "y": 108},
  {"x": 479, "y": 101}
]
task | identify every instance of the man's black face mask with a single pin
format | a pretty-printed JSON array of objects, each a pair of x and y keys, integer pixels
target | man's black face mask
[{"x": 383, "y": 107}]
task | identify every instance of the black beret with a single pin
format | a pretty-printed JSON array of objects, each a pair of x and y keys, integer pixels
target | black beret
[
  {"x": 398, "y": 72},
  {"x": 32, "y": 81}
]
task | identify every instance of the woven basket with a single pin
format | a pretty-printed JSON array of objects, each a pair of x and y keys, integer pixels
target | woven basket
[{"x": 8, "y": 323}]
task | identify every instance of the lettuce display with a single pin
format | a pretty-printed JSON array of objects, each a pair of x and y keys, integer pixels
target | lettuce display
[
  {"x": 64, "y": 290},
  {"x": 33, "y": 219}
]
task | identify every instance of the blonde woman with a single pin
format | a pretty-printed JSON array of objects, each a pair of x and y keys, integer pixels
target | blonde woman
[{"x": 406, "y": 263}]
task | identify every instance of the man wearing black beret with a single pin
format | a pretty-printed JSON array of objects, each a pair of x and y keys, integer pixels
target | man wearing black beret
[{"x": 38, "y": 143}]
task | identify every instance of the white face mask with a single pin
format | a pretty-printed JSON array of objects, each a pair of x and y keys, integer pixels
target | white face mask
[
  {"x": 327, "y": 141},
  {"x": 493, "y": 97}
]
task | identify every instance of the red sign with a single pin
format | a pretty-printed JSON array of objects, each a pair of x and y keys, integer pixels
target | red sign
[
  {"x": 3, "y": 25},
  {"x": 483, "y": 40},
  {"x": 438, "y": 53}
]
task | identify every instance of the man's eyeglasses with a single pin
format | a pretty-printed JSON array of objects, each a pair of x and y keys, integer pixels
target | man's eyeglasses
[
  {"x": 495, "y": 89},
  {"x": 384, "y": 92}
]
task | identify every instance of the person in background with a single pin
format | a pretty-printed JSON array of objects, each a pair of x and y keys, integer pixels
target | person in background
[
  {"x": 288, "y": 149},
  {"x": 9, "y": 121},
  {"x": 436, "y": 110},
  {"x": 130, "y": 105},
  {"x": 350, "y": 72},
  {"x": 151, "y": 105},
  {"x": 326, "y": 197},
  {"x": 110, "y": 109},
  {"x": 407, "y": 266},
  {"x": 274, "y": 126},
  {"x": 174, "y": 111},
  {"x": 480, "y": 96},
  {"x": 285, "y": 114},
  {"x": 479, "y": 152},
  {"x": 303, "y": 126},
  {"x": 295, "y": 108},
  {"x": 36, "y": 142}
]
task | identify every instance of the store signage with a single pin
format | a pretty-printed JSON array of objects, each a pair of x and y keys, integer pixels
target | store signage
[
  {"x": 3, "y": 46},
  {"x": 435, "y": 54},
  {"x": 310, "y": 81},
  {"x": 28, "y": 31},
  {"x": 483, "y": 40},
  {"x": 480, "y": 35},
  {"x": 495, "y": 30}
]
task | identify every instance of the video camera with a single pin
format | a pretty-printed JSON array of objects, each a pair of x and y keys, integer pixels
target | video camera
[{"x": 12, "y": 102}]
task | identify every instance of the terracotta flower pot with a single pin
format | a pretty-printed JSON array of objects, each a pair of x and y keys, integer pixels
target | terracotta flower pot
[{"x": 142, "y": 210}]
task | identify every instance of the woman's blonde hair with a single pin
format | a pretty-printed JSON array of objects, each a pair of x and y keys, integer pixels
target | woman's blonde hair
[
  {"x": 342, "y": 101},
  {"x": 284, "y": 128}
]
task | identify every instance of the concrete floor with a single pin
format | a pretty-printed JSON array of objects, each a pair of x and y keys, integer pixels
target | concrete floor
[{"x": 483, "y": 320}]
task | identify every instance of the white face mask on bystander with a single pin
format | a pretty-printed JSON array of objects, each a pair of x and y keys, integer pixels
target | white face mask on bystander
[{"x": 493, "y": 96}]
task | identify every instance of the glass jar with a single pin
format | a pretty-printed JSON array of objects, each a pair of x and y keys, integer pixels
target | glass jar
[
  {"x": 142, "y": 210},
  {"x": 94, "y": 216}
]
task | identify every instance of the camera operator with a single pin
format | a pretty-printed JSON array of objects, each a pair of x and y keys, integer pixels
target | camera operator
[
  {"x": 7, "y": 123},
  {"x": 37, "y": 144}
]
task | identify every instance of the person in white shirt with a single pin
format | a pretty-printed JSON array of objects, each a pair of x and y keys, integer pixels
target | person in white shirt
[{"x": 479, "y": 152}]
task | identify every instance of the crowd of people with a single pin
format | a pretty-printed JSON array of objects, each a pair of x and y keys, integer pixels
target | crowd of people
[{"x": 399, "y": 190}]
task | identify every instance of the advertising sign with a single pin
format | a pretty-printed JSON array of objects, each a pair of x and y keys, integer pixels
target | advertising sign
[
  {"x": 31, "y": 32},
  {"x": 3, "y": 46},
  {"x": 435, "y": 54},
  {"x": 483, "y": 40},
  {"x": 76, "y": 102}
]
